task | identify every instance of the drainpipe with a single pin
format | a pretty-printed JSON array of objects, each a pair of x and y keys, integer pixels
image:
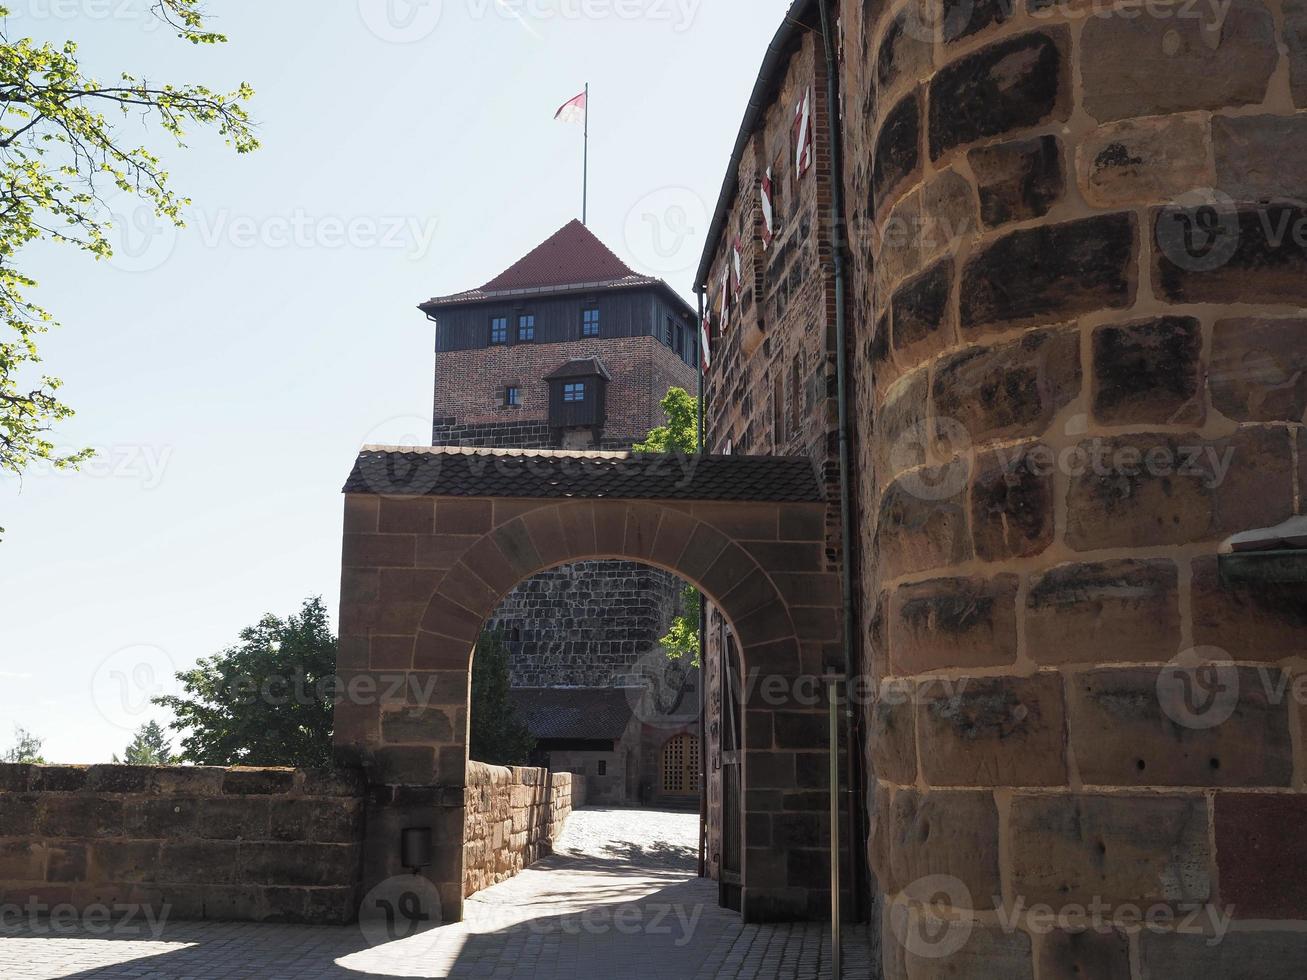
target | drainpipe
[
  {"x": 703, "y": 633},
  {"x": 852, "y": 723}
]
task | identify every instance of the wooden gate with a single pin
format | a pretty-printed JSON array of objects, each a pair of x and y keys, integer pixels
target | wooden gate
[{"x": 680, "y": 766}]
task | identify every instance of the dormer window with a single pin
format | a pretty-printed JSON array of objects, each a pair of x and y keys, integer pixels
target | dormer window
[
  {"x": 574, "y": 392},
  {"x": 578, "y": 393}
]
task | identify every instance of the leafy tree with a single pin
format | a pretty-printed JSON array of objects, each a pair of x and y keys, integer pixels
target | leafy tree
[
  {"x": 266, "y": 701},
  {"x": 150, "y": 747},
  {"x": 498, "y": 737},
  {"x": 679, "y": 435},
  {"x": 60, "y": 151},
  {"x": 27, "y": 748}
]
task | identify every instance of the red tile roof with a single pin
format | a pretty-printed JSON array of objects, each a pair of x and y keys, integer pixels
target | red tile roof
[{"x": 572, "y": 255}]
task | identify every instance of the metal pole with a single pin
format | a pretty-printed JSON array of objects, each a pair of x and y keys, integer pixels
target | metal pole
[
  {"x": 837, "y": 969},
  {"x": 703, "y": 649},
  {"x": 585, "y": 167}
]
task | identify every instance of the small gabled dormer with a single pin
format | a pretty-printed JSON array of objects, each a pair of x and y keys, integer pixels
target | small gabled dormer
[{"x": 578, "y": 395}]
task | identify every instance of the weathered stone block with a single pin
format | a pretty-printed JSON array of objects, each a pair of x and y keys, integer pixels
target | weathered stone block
[
  {"x": 953, "y": 622},
  {"x": 1089, "y": 954},
  {"x": 893, "y": 734},
  {"x": 1228, "y": 254},
  {"x": 417, "y": 725},
  {"x": 18, "y": 813},
  {"x": 233, "y": 819},
  {"x": 904, "y": 53},
  {"x": 1259, "y": 369},
  {"x": 1137, "y": 161},
  {"x": 1010, "y": 390},
  {"x": 1011, "y": 85},
  {"x": 1261, "y": 158},
  {"x": 22, "y": 861},
  {"x": 1139, "y": 727},
  {"x": 922, "y": 325},
  {"x": 455, "y": 516},
  {"x": 918, "y": 530},
  {"x": 257, "y": 782},
  {"x": 1126, "y": 610},
  {"x": 904, "y": 437},
  {"x": 988, "y": 954},
  {"x": 79, "y": 816},
  {"x": 1019, "y": 180},
  {"x": 897, "y": 159},
  {"x": 943, "y": 832},
  {"x": 168, "y": 816},
  {"x": 378, "y": 551},
  {"x": 1155, "y": 489},
  {"x": 136, "y": 862},
  {"x": 282, "y": 863},
  {"x": 1263, "y": 622},
  {"x": 59, "y": 779},
  {"x": 1152, "y": 65},
  {"x": 1012, "y": 502},
  {"x": 1183, "y": 956},
  {"x": 406, "y": 515},
  {"x": 993, "y": 731},
  {"x": 1050, "y": 273},
  {"x": 66, "y": 863},
  {"x": 1149, "y": 371},
  {"x": 1138, "y": 849},
  {"x": 1263, "y": 872}
]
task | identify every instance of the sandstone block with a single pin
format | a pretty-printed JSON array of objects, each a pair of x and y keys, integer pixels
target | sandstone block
[
  {"x": 1259, "y": 369},
  {"x": 1012, "y": 502},
  {"x": 943, "y": 832},
  {"x": 922, "y": 325},
  {"x": 1155, "y": 159},
  {"x": 1261, "y": 158},
  {"x": 1019, "y": 180},
  {"x": 953, "y": 622},
  {"x": 896, "y": 162},
  {"x": 1149, "y": 371},
  {"x": 1263, "y": 871}
]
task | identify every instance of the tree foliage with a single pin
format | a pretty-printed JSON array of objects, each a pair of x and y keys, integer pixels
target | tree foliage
[
  {"x": 679, "y": 435},
  {"x": 62, "y": 149},
  {"x": 26, "y": 748},
  {"x": 267, "y": 701},
  {"x": 498, "y": 737},
  {"x": 150, "y": 747}
]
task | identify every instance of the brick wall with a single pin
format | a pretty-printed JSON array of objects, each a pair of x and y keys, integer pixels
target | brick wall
[
  {"x": 512, "y": 820},
  {"x": 190, "y": 843},
  {"x": 469, "y": 385},
  {"x": 771, "y": 391},
  {"x": 1059, "y": 352}
]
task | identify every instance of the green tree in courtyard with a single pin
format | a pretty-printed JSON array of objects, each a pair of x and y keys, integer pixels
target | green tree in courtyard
[
  {"x": 679, "y": 435},
  {"x": 150, "y": 747},
  {"x": 68, "y": 139},
  {"x": 267, "y": 701},
  {"x": 27, "y": 748},
  {"x": 498, "y": 737}
]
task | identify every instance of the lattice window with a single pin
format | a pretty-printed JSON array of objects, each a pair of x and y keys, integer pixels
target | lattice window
[{"x": 681, "y": 766}]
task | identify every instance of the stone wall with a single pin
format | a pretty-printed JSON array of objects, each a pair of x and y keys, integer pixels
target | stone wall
[
  {"x": 586, "y": 625},
  {"x": 1079, "y": 369},
  {"x": 512, "y": 820},
  {"x": 273, "y": 845}
]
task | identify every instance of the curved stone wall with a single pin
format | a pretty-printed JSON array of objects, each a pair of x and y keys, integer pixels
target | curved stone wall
[{"x": 1078, "y": 250}]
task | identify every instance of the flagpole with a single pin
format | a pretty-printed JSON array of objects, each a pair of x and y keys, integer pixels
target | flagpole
[{"x": 585, "y": 169}]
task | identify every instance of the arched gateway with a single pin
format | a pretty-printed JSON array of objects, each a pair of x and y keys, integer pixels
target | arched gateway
[{"x": 434, "y": 538}]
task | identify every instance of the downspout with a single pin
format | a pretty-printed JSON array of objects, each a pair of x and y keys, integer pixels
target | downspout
[
  {"x": 852, "y": 723},
  {"x": 703, "y": 632}
]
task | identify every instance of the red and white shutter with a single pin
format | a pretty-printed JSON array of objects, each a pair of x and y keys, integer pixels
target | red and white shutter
[
  {"x": 737, "y": 265},
  {"x": 705, "y": 340},
  {"x": 803, "y": 134},
  {"x": 768, "y": 213},
  {"x": 726, "y": 299}
]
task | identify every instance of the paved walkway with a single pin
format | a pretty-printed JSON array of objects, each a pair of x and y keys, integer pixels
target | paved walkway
[{"x": 619, "y": 900}]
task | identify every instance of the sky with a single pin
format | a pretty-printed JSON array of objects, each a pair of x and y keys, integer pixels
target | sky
[{"x": 228, "y": 372}]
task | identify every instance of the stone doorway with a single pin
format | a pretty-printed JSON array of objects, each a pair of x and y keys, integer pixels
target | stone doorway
[{"x": 435, "y": 538}]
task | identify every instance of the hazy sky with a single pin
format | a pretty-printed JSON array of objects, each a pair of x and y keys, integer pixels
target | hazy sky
[{"x": 229, "y": 372}]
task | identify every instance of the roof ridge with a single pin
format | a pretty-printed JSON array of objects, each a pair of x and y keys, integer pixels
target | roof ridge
[{"x": 565, "y": 257}]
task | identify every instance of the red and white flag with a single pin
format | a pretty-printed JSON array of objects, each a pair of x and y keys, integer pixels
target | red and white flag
[
  {"x": 803, "y": 134},
  {"x": 768, "y": 213},
  {"x": 725, "y": 317},
  {"x": 705, "y": 340},
  {"x": 573, "y": 110}
]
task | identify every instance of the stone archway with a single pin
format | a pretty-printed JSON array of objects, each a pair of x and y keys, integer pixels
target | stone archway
[{"x": 434, "y": 538}]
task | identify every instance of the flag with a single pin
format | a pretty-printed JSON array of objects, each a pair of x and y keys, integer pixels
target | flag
[
  {"x": 726, "y": 300},
  {"x": 573, "y": 110},
  {"x": 803, "y": 134},
  {"x": 768, "y": 214},
  {"x": 705, "y": 339}
]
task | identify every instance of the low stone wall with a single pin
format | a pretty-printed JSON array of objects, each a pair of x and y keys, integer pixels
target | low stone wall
[
  {"x": 275, "y": 845},
  {"x": 512, "y": 818}
]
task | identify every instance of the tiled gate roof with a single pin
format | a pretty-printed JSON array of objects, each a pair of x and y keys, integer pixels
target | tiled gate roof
[{"x": 443, "y": 471}]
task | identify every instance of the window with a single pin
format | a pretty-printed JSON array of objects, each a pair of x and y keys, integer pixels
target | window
[
  {"x": 499, "y": 330},
  {"x": 590, "y": 323},
  {"x": 679, "y": 344},
  {"x": 526, "y": 327},
  {"x": 603, "y": 767},
  {"x": 574, "y": 392},
  {"x": 512, "y": 396}
]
